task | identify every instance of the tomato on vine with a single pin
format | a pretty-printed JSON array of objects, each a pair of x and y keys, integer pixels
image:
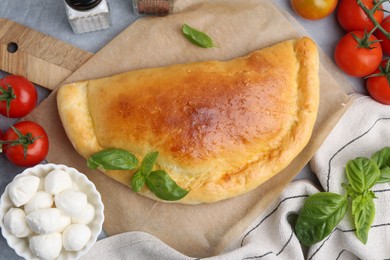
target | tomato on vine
[
  {"x": 378, "y": 84},
  {"x": 314, "y": 9},
  {"x": 352, "y": 17},
  {"x": 385, "y": 42},
  {"x": 358, "y": 54},
  {"x": 18, "y": 96},
  {"x": 25, "y": 144}
]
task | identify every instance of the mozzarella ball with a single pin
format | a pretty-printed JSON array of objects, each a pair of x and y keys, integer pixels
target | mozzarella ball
[
  {"x": 47, "y": 246},
  {"x": 75, "y": 237},
  {"x": 71, "y": 202},
  {"x": 44, "y": 221},
  {"x": 57, "y": 181},
  {"x": 40, "y": 200},
  {"x": 64, "y": 222},
  {"x": 20, "y": 190},
  {"x": 15, "y": 222},
  {"x": 86, "y": 216},
  {"x": 41, "y": 186}
]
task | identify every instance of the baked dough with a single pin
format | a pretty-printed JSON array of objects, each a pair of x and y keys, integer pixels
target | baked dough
[{"x": 222, "y": 128}]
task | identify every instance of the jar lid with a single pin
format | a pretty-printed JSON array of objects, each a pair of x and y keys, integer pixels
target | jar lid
[{"x": 83, "y": 5}]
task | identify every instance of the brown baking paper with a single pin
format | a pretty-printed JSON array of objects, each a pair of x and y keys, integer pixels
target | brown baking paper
[{"x": 237, "y": 27}]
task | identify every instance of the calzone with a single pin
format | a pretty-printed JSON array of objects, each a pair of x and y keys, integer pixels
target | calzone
[{"x": 221, "y": 128}]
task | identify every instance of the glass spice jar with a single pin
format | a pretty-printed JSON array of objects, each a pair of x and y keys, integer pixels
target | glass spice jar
[
  {"x": 153, "y": 7},
  {"x": 88, "y": 15}
]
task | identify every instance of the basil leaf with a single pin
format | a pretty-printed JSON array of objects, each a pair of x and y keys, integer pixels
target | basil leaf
[
  {"x": 362, "y": 173},
  {"x": 363, "y": 212},
  {"x": 348, "y": 188},
  {"x": 164, "y": 187},
  {"x": 321, "y": 213},
  {"x": 385, "y": 175},
  {"x": 382, "y": 158},
  {"x": 292, "y": 219},
  {"x": 91, "y": 164},
  {"x": 197, "y": 37},
  {"x": 113, "y": 159},
  {"x": 148, "y": 162},
  {"x": 137, "y": 181}
]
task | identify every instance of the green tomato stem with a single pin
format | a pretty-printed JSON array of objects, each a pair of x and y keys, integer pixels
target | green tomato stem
[
  {"x": 370, "y": 14},
  {"x": 7, "y": 95},
  {"x": 23, "y": 140}
]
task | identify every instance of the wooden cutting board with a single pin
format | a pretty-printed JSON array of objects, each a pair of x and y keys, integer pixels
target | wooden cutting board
[{"x": 32, "y": 54}]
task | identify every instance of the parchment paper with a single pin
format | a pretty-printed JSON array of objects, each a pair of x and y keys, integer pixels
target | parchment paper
[{"x": 237, "y": 27}]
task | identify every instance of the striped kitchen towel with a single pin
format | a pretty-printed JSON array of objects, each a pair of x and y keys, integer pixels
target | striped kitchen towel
[{"x": 363, "y": 130}]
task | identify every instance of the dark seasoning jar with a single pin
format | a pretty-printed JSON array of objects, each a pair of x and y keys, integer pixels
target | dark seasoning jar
[
  {"x": 88, "y": 15},
  {"x": 153, "y": 7}
]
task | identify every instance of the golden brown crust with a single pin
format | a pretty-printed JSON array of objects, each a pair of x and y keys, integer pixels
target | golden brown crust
[{"x": 221, "y": 128}]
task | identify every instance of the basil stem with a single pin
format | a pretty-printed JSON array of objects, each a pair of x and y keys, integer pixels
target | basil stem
[
  {"x": 321, "y": 213},
  {"x": 197, "y": 37},
  {"x": 164, "y": 187},
  {"x": 362, "y": 174},
  {"x": 113, "y": 159},
  {"x": 363, "y": 212}
]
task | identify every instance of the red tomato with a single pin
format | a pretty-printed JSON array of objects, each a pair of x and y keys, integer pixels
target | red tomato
[
  {"x": 354, "y": 60},
  {"x": 352, "y": 17},
  {"x": 378, "y": 86},
  {"x": 385, "y": 43},
  {"x": 18, "y": 96},
  {"x": 314, "y": 9},
  {"x": 27, "y": 146}
]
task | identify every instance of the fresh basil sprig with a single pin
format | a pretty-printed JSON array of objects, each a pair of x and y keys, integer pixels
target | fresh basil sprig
[
  {"x": 158, "y": 181},
  {"x": 197, "y": 37},
  {"x": 323, "y": 211}
]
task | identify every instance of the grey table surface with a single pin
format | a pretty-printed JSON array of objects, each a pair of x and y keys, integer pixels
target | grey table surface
[{"x": 48, "y": 16}]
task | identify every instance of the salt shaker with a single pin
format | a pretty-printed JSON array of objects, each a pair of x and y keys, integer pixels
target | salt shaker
[
  {"x": 153, "y": 7},
  {"x": 88, "y": 15}
]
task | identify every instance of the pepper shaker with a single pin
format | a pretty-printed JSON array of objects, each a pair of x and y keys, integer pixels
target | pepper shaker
[
  {"x": 88, "y": 15},
  {"x": 153, "y": 7}
]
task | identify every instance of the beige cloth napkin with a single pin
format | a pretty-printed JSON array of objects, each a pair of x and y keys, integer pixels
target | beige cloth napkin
[{"x": 364, "y": 129}]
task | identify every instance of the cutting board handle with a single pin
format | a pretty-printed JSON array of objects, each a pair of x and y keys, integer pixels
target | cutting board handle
[{"x": 41, "y": 58}]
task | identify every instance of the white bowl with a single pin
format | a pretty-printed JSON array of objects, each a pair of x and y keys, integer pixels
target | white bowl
[{"x": 21, "y": 245}]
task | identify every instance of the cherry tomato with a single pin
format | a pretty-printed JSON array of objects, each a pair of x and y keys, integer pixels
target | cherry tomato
[
  {"x": 385, "y": 43},
  {"x": 25, "y": 144},
  {"x": 378, "y": 86},
  {"x": 18, "y": 96},
  {"x": 355, "y": 60},
  {"x": 314, "y": 9},
  {"x": 351, "y": 16}
]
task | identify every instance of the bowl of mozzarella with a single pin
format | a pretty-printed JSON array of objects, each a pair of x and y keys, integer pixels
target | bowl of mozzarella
[{"x": 51, "y": 211}]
